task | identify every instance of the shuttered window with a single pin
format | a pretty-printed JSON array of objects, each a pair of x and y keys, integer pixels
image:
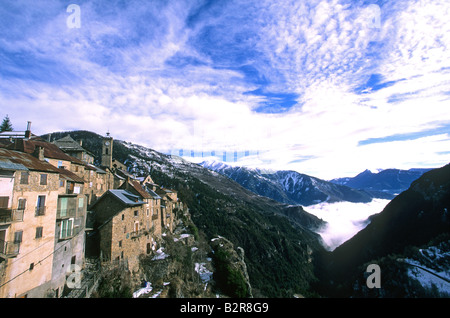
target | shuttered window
[
  {"x": 66, "y": 228},
  {"x": 18, "y": 237},
  {"x": 4, "y": 202},
  {"x": 24, "y": 177},
  {"x": 22, "y": 204},
  {"x": 39, "y": 232},
  {"x": 63, "y": 207}
]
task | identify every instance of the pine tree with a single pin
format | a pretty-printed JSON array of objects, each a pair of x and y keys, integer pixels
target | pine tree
[{"x": 6, "y": 125}]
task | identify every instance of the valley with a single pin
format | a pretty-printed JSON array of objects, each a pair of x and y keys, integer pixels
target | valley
[{"x": 286, "y": 250}]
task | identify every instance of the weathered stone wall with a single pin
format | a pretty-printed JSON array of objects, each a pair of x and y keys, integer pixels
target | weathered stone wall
[{"x": 33, "y": 271}]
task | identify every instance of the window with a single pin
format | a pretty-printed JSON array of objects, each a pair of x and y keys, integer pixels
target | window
[
  {"x": 60, "y": 164},
  {"x": 24, "y": 176},
  {"x": 123, "y": 217},
  {"x": 80, "y": 203},
  {"x": 148, "y": 212},
  {"x": 39, "y": 232},
  {"x": 62, "y": 183},
  {"x": 22, "y": 204},
  {"x": 66, "y": 229},
  {"x": 120, "y": 243},
  {"x": 136, "y": 213},
  {"x": 63, "y": 207},
  {"x": 18, "y": 237},
  {"x": 4, "y": 201},
  {"x": 40, "y": 208},
  {"x": 124, "y": 229},
  {"x": 70, "y": 187},
  {"x": 43, "y": 179}
]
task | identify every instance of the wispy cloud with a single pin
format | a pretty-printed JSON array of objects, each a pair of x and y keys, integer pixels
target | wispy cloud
[
  {"x": 344, "y": 219},
  {"x": 325, "y": 87}
]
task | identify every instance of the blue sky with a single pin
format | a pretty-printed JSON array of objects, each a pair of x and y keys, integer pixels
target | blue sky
[{"x": 326, "y": 87}]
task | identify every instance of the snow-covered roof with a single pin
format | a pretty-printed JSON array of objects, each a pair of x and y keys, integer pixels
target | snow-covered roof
[{"x": 126, "y": 197}]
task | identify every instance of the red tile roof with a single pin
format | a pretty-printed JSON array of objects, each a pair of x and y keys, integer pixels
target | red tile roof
[
  {"x": 27, "y": 160},
  {"x": 137, "y": 186},
  {"x": 50, "y": 150}
]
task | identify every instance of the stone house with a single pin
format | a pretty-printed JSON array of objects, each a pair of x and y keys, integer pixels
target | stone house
[
  {"x": 69, "y": 210},
  {"x": 124, "y": 226},
  {"x": 75, "y": 149},
  {"x": 69, "y": 229},
  {"x": 27, "y": 224},
  {"x": 152, "y": 204}
]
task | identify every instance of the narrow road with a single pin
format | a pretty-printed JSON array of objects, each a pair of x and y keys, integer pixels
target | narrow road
[{"x": 426, "y": 270}]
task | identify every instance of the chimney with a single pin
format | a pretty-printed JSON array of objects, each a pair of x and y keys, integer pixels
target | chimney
[
  {"x": 28, "y": 131},
  {"x": 81, "y": 142},
  {"x": 39, "y": 153}
]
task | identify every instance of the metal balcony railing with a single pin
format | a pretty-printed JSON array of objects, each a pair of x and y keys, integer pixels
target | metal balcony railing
[
  {"x": 40, "y": 210},
  {"x": 141, "y": 232},
  {"x": 10, "y": 215},
  {"x": 9, "y": 249}
]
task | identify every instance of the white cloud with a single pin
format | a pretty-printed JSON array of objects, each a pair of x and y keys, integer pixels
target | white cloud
[
  {"x": 115, "y": 73},
  {"x": 344, "y": 219}
]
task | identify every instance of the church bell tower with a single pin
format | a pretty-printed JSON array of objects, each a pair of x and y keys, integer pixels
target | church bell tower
[{"x": 107, "y": 149}]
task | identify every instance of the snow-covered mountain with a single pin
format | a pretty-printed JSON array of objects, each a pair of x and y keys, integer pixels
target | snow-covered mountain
[
  {"x": 288, "y": 186},
  {"x": 392, "y": 181}
]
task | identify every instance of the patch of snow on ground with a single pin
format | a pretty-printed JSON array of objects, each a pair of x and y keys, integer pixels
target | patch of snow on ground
[
  {"x": 160, "y": 254},
  {"x": 144, "y": 290},
  {"x": 427, "y": 279},
  {"x": 204, "y": 273}
]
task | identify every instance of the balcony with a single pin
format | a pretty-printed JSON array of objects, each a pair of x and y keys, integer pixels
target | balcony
[
  {"x": 9, "y": 249},
  {"x": 40, "y": 210},
  {"x": 8, "y": 216},
  {"x": 66, "y": 213},
  {"x": 141, "y": 232}
]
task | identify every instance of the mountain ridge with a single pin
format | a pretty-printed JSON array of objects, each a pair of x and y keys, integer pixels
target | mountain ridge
[
  {"x": 392, "y": 181},
  {"x": 288, "y": 186}
]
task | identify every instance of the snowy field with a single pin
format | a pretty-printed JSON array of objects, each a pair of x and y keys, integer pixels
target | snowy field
[{"x": 345, "y": 219}]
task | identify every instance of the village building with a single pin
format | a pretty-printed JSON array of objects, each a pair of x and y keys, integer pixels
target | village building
[
  {"x": 69, "y": 211},
  {"x": 124, "y": 228},
  {"x": 71, "y": 216},
  {"x": 75, "y": 149},
  {"x": 57, "y": 208},
  {"x": 153, "y": 204},
  {"x": 29, "y": 190}
]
